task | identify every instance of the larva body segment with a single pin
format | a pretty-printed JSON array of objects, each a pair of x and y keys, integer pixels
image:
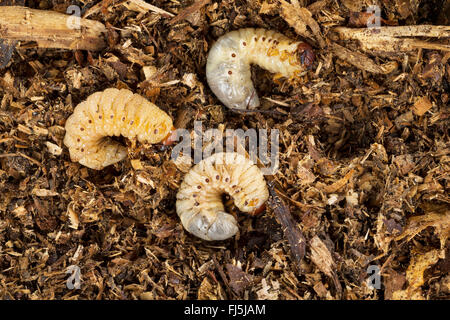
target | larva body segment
[
  {"x": 108, "y": 113},
  {"x": 199, "y": 199},
  {"x": 228, "y": 65}
]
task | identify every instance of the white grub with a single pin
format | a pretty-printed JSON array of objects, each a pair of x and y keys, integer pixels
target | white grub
[
  {"x": 199, "y": 199},
  {"x": 228, "y": 64},
  {"x": 112, "y": 112}
]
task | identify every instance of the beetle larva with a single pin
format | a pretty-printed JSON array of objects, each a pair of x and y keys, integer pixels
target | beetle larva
[
  {"x": 113, "y": 112},
  {"x": 228, "y": 64},
  {"x": 199, "y": 199}
]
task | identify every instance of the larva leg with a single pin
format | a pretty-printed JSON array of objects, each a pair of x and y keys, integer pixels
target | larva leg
[
  {"x": 199, "y": 204},
  {"x": 111, "y": 113},
  {"x": 228, "y": 64}
]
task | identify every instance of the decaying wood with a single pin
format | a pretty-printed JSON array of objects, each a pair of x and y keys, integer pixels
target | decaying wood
[
  {"x": 290, "y": 228},
  {"x": 361, "y": 61},
  {"x": 397, "y": 38},
  {"x": 50, "y": 29},
  {"x": 7, "y": 46}
]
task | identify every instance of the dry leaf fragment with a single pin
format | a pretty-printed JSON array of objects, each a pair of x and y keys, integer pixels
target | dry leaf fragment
[
  {"x": 299, "y": 18},
  {"x": 321, "y": 257},
  {"x": 290, "y": 13}
]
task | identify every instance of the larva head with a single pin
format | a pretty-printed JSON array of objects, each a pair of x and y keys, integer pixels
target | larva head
[
  {"x": 170, "y": 138},
  {"x": 306, "y": 54}
]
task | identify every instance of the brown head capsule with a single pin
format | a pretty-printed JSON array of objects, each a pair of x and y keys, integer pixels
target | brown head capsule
[{"x": 306, "y": 54}]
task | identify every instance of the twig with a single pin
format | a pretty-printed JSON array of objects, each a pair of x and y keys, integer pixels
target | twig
[
  {"x": 361, "y": 61},
  {"x": 290, "y": 228},
  {"x": 143, "y": 7},
  {"x": 223, "y": 276},
  {"x": 51, "y": 29},
  {"x": 394, "y": 39},
  {"x": 393, "y": 31}
]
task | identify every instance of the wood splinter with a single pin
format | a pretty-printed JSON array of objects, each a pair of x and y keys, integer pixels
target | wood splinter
[
  {"x": 398, "y": 38},
  {"x": 50, "y": 29}
]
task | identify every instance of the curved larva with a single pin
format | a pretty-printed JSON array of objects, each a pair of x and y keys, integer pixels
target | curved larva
[
  {"x": 199, "y": 203},
  {"x": 228, "y": 64},
  {"x": 112, "y": 112}
]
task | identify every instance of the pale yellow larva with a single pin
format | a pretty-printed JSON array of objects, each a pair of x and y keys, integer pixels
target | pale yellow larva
[
  {"x": 228, "y": 64},
  {"x": 199, "y": 203},
  {"x": 108, "y": 113}
]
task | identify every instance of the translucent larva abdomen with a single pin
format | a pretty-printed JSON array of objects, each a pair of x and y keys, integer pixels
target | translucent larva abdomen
[
  {"x": 228, "y": 64},
  {"x": 108, "y": 113},
  {"x": 199, "y": 199}
]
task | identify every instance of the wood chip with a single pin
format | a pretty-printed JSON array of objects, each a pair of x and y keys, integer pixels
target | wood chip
[{"x": 421, "y": 106}]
